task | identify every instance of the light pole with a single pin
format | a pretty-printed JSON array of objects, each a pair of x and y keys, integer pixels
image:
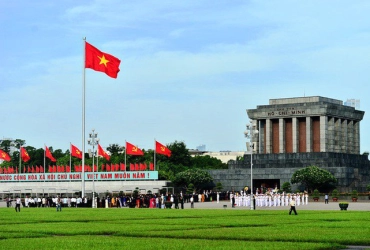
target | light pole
[
  {"x": 250, "y": 133},
  {"x": 93, "y": 141}
]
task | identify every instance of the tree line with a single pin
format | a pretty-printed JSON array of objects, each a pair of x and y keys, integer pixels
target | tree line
[{"x": 173, "y": 168}]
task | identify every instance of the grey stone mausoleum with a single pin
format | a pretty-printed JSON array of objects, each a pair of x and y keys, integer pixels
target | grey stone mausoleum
[{"x": 293, "y": 133}]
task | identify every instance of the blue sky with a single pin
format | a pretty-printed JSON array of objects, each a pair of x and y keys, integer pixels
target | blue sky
[{"x": 189, "y": 69}]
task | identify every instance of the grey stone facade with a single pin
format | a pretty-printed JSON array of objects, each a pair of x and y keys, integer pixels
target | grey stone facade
[
  {"x": 294, "y": 133},
  {"x": 351, "y": 171}
]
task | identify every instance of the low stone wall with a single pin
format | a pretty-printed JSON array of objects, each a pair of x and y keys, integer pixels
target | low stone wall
[{"x": 352, "y": 171}]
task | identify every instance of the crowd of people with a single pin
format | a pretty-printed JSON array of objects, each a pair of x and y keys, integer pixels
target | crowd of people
[
  {"x": 243, "y": 198},
  {"x": 271, "y": 198}
]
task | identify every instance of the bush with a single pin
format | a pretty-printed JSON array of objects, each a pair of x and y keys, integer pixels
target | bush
[
  {"x": 354, "y": 194},
  {"x": 335, "y": 193},
  {"x": 316, "y": 194},
  {"x": 286, "y": 187}
]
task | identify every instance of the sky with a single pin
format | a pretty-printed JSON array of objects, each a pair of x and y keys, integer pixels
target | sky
[{"x": 189, "y": 69}]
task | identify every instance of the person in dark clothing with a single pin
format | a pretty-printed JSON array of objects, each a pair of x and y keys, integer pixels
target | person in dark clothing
[
  {"x": 176, "y": 201},
  {"x": 18, "y": 204},
  {"x": 292, "y": 207},
  {"x": 182, "y": 202}
]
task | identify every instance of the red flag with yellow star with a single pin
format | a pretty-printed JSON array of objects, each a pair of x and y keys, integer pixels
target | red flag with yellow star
[
  {"x": 24, "y": 155},
  {"x": 133, "y": 150},
  {"x": 101, "y": 152},
  {"x": 161, "y": 149},
  {"x": 49, "y": 155},
  {"x": 4, "y": 155},
  {"x": 75, "y": 152},
  {"x": 100, "y": 61}
]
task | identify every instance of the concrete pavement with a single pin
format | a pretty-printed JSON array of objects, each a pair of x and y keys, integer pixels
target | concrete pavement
[{"x": 353, "y": 206}]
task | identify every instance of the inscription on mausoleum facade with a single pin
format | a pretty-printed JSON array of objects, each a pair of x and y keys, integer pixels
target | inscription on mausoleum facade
[{"x": 286, "y": 111}]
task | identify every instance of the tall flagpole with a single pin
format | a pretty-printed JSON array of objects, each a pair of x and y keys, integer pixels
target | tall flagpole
[
  {"x": 20, "y": 163},
  {"x": 44, "y": 159},
  {"x": 70, "y": 157},
  {"x": 125, "y": 153},
  {"x": 83, "y": 121},
  {"x": 154, "y": 156}
]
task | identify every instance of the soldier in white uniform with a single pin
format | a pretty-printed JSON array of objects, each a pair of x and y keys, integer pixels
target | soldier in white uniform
[
  {"x": 26, "y": 200},
  {"x": 306, "y": 197},
  {"x": 298, "y": 199},
  {"x": 287, "y": 199}
]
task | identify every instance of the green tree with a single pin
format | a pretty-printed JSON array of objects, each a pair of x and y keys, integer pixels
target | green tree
[
  {"x": 179, "y": 154},
  {"x": 313, "y": 177},
  {"x": 219, "y": 186},
  {"x": 316, "y": 194},
  {"x": 19, "y": 143},
  {"x": 207, "y": 162},
  {"x": 335, "y": 193},
  {"x": 114, "y": 149},
  {"x": 190, "y": 189},
  {"x": 198, "y": 177},
  {"x": 286, "y": 187},
  {"x": 5, "y": 145}
]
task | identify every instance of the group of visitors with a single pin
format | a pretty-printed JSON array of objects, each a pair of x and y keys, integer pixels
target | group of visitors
[
  {"x": 49, "y": 201},
  {"x": 268, "y": 199}
]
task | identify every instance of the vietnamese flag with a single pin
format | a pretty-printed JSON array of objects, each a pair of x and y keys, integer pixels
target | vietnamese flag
[
  {"x": 75, "y": 152},
  {"x": 161, "y": 149},
  {"x": 101, "y": 152},
  {"x": 101, "y": 61},
  {"x": 122, "y": 167},
  {"x": 151, "y": 166},
  {"x": 108, "y": 167},
  {"x": 4, "y": 155},
  {"x": 49, "y": 155},
  {"x": 133, "y": 150},
  {"x": 24, "y": 155}
]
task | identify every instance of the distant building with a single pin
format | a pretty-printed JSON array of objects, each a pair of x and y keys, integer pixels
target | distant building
[
  {"x": 224, "y": 156},
  {"x": 294, "y": 133},
  {"x": 12, "y": 148},
  {"x": 201, "y": 147},
  {"x": 354, "y": 103}
]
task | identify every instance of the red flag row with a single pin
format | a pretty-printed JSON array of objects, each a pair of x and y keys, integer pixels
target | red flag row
[
  {"x": 78, "y": 168},
  {"x": 75, "y": 152}
]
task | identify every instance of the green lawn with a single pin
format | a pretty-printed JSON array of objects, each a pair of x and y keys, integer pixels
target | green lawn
[{"x": 44, "y": 228}]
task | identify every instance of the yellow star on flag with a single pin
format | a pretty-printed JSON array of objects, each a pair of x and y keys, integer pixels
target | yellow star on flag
[{"x": 103, "y": 60}]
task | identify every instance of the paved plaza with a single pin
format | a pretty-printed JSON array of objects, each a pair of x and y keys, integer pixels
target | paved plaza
[{"x": 353, "y": 206}]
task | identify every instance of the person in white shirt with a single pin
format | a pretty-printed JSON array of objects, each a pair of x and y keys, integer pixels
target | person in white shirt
[
  {"x": 18, "y": 204},
  {"x": 26, "y": 200},
  {"x": 292, "y": 207}
]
